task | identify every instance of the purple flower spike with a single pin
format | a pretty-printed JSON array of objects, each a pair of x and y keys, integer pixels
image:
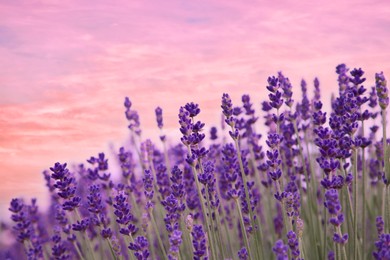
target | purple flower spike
[
  {"x": 159, "y": 117},
  {"x": 174, "y": 243},
  {"x": 95, "y": 204},
  {"x": 380, "y": 225},
  {"x": 66, "y": 185},
  {"x": 213, "y": 133},
  {"x": 332, "y": 202},
  {"x": 59, "y": 250},
  {"x": 280, "y": 249},
  {"x": 148, "y": 184},
  {"x": 140, "y": 248},
  {"x": 340, "y": 239},
  {"x": 19, "y": 216},
  {"x": 133, "y": 117},
  {"x": 383, "y": 247},
  {"x": 192, "y": 108},
  {"x": 382, "y": 90},
  {"x": 199, "y": 242},
  {"x": 243, "y": 254},
  {"x": 293, "y": 244}
]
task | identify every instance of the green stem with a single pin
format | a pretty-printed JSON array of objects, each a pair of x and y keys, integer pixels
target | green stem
[
  {"x": 87, "y": 241},
  {"x": 244, "y": 180},
  {"x": 243, "y": 230},
  {"x": 187, "y": 242},
  {"x": 363, "y": 202},
  {"x": 387, "y": 204},
  {"x": 204, "y": 212},
  {"x": 355, "y": 205},
  {"x": 385, "y": 148},
  {"x": 312, "y": 193},
  {"x": 325, "y": 231},
  {"x": 349, "y": 202},
  {"x": 166, "y": 157},
  {"x": 343, "y": 251},
  {"x": 154, "y": 224},
  {"x": 76, "y": 246}
]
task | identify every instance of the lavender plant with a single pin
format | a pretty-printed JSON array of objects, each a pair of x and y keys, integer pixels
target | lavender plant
[{"x": 317, "y": 191}]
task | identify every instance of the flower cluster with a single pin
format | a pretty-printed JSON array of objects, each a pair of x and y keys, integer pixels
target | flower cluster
[{"x": 223, "y": 197}]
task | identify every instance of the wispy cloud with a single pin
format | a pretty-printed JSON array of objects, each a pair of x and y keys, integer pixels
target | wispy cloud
[{"x": 67, "y": 66}]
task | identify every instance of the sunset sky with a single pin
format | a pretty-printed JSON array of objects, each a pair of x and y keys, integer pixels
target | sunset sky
[{"x": 66, "y": 66}]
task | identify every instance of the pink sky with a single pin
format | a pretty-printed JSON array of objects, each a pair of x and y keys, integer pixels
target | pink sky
[{"x": 66, "y": 67}]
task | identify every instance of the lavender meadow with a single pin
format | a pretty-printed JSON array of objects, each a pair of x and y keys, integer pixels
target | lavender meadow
[{"x": 318, "y": 189}]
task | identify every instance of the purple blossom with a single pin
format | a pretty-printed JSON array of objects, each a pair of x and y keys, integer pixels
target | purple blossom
[
  {"x": 148, "y": 187},
  {"x": 382, "y": 247},
  {"x": 66, "y": 185},
  {"x": 199, "y": 243},
  {"x": 293, "y": 243},
  {"x": 59, "y": 249},
  {"x": 140, "y": 248},
  {"x": 133, "y": 117},
  {"x": 280, "y": 250},
  {"x": 159, "y": 117},
  {"x": 213, "y": 133},
  {"x": 382, "y": 90},
  {"x": 174, "y": 244},
  {"x": 19, "y": 216},
  {"x": 243, "y": 254},
  {"x": 380, "y": 225}
]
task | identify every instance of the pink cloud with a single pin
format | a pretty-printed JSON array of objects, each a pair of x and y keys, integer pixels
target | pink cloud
[{"x": 68, "y": 66}]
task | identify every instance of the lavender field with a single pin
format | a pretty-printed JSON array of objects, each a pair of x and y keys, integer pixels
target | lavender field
[{"x": 314, "y": 186}]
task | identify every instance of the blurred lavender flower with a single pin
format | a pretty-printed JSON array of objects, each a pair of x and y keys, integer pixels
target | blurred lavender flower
[
  {"x": 148, "y": 188},
  {"x": 133, "y": 117},
  {"x": 280, "y": 250},
  {"x": 380, "y": 225},
  {"x": 213, "y": 133},
  {"x": 382, "y": 247},
  {"x": 293, "y": 243},
  {"x": 20, "y": 217},
  {"x": 243, "y": 254},
  {"x": 199, "y": 243},
  {"x": 159, "y": 117},
  {"x": 382, "y": 90},
  {"x": 333, "y": 205},
  {"x": 124, "y": 215},
  {"x": 174, "y": 244},
  {"x": 59, "y": 249},
  {"x": 140, "y": 248}
]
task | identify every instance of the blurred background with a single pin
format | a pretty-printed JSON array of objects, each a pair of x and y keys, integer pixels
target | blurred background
[{"x": 66, "y": 66}]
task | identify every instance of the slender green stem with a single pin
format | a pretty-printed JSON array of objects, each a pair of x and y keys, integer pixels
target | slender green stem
[
  {"x": 387, "y": 205},
  {"x": 312, "y": 193},
  {"x": 385, "y": 149},
  {"x": 87, "y": 241},
  {"x": 258, "y": 230},
  {"x": 342, "y": 247},
  {"x": 244, "y": 180},
  {"x": 221, "y": 246},
  {"x": 386, "y": 158},
  {"x": 204, "y": 212},
  {"x": 187, "y": 242},
  {"x": 349, "y": 202},
  {"x": 325, "y": 231},
  {"x": 355, "y": 204},
  {"x": 364, "y": 203},
  {"x": 154, "y": 224},
  {"x": 76, "y": 246},
  {"x": 243, "y": 230},
  {"x": 168, "y": 164}
]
